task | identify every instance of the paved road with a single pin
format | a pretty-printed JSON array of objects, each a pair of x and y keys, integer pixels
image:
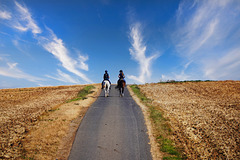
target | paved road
[{"x": 112, "y": 129}]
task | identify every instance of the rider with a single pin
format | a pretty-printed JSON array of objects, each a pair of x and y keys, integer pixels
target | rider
[
  {"x": 106, "y": 77},
  {"x": 121, "y": 76}
]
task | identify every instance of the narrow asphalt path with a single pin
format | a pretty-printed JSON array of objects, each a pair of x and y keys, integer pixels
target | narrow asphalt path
[{"x": 112, "y": 129}]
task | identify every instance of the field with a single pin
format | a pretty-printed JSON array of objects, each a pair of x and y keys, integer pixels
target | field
[
  {"x": 204, "y": 116},
  {"x": 23, "y": 110}
]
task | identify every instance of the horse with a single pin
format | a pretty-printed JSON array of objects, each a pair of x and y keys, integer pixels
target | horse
[
  {"x": 106, "y": 87},
  {"x": 121, "y": 84}
]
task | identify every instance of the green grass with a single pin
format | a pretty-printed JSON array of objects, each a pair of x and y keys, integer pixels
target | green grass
[
  {"x": 52, "y": 110},
  {"x": 142, "y": 97},
  {"x": 161, "y": 127},
  {"x": 83, "y": 93}
]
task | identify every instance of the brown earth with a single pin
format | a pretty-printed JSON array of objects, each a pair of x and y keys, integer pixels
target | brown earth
[
  {"x": 38, "y": 123},
  {"x": 204, "y": 116}
]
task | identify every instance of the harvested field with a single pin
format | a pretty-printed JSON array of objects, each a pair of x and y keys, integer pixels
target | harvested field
[
  {"x": 20, "y": 110},
  {"x": 205, "y": 116}
]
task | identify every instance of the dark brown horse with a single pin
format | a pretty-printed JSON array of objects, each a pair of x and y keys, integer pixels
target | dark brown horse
[{"x": 121, "y": 86}]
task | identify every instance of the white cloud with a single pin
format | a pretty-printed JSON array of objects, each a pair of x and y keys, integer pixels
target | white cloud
[
  {"x": 64, "y": 77},
  {"x": 225, "y": 66},
  {"x": 81, "y": 61},
  {"x": 138, "y": 53},
  {"x": 55, "y": 45},
  {"x": 176, "y": 76},
  {"x": 12, "y": 65},
  {"x": 9, "y": 69},
  {"x": 52, "y": 44},
  {"x": 196, "y": 29},
  {"x": 206, "y": 34},
  {"x": 5, "y": 15},
  {"x": 25, "y": 21}
]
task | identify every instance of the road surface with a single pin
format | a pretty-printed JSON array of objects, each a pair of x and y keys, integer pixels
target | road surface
[{"x": 112, "y": 129}]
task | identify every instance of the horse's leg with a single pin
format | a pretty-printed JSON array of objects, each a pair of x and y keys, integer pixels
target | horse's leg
[
  {"x": 122, "y": 91},
  {"x": 105, "y": 92}
]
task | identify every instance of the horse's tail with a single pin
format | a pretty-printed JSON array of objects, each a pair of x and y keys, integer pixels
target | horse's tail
[
  {"x": 122, "y": 83},
  {"x": 106, "y": 84}
]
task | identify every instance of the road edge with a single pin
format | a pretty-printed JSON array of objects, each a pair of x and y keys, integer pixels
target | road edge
[
  {"x": 67, "y": 141},
  {"x": 155, "y": 151}
]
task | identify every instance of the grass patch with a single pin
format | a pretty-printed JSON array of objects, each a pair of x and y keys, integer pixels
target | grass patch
[
  {"x": 52, "y": 110},
  {"x": 83, "y": 93},
  {"x": 161, "y": 127},
  {"x": 143, "y": 98}
]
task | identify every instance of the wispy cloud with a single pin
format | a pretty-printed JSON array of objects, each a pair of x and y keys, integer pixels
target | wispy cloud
[
  {"x": 138, "y": 53},
  {"x": 10, "y": 69},
  {"x": 55, "y": 46},
  {"x": 206, "y": 34},
  {"x": 23, "y": 21},
  {"x": 82, "y": 60},
  {"x": 61, "y": 76},
  {"x": 227, "y": 65},
  {"x": 5, "y": 15},
  {"x": 176, "y": 76}
]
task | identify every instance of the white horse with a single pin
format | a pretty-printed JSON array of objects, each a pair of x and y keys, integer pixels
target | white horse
[{"x": 106, "y": 87}]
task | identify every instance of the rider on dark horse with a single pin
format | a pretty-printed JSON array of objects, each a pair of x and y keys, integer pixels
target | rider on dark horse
[
  {"x": 121, "y": 76},
  {"x": 106, "y": 77}
]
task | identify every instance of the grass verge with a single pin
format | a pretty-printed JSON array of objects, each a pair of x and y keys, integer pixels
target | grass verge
[
  {"x": 82, "y": 93},
  {"x": 162, "y": 129}
]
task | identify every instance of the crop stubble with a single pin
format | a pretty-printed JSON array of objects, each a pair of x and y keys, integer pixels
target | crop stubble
[
  {"x": 205, "y": 116},
  {"x": 20, "y": 109}
]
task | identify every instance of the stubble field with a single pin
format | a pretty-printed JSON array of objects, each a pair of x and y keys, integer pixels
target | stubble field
[
  {"x": 20, "y": 110},
  {"x": 204, "y": 116}
]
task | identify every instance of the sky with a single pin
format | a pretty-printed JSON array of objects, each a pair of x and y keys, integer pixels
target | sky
[{"x": 67, "y": 42}]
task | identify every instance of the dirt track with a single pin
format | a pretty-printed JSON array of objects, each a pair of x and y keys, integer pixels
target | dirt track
[
  {"x": 205, "y": 116},
  {"x": 20, "y": 110}
]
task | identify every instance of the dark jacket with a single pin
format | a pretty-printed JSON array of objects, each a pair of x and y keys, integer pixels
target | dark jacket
[
  {"x": 121, "y": 76},
  {"x": 106, "y": 76}
]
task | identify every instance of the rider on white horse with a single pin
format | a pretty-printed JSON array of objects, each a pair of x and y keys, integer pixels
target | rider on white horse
[{"x": 106, "y": 77}]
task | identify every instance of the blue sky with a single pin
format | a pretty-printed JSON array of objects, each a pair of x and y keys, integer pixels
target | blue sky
[{"x": 59, "y": 42}]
